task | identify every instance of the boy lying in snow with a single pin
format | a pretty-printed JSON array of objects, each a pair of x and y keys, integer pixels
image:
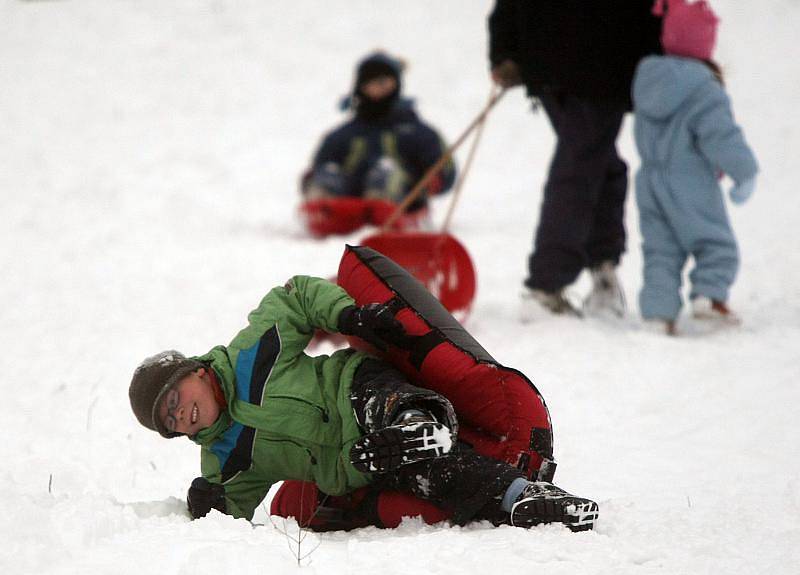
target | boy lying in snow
[{"x": 263, "y": 411}]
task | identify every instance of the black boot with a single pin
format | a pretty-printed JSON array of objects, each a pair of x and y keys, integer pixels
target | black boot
[
  {"x": 415, "y": 435},
  {"x": 542, "y": 502}
]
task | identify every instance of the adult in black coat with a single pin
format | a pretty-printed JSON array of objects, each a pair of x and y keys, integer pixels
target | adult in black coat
[{"x": 578, "y": 59}]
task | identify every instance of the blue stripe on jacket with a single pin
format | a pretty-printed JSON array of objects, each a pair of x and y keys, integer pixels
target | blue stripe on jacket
[{"x": 253, "y": 367}]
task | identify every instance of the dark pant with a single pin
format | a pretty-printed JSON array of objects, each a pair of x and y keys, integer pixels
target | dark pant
[
  {"x": 380, "y": 392},
  {"x": 581, "y": 218},
  {"x": 463, "y": 482}
]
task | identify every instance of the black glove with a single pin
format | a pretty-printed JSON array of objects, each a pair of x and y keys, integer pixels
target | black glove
[
  {"x": 374, "y": 323},
  {"x": 204, "y": 496}
]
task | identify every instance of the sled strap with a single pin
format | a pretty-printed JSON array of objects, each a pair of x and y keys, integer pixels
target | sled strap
[
  {"x": 422, "y": 346},
  {"x": 418, "y": 188},
  {"x": 467, "y": 164},
  {"x": 417, "y": 346}
]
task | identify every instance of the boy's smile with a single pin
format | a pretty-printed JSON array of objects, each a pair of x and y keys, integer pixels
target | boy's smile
[{"x": 190, "y": 405}]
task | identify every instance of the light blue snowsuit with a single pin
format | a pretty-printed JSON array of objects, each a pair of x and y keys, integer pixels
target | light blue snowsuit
[{"x": 686, "y": 135}]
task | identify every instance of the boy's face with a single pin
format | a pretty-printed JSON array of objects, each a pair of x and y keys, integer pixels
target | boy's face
[
  {"x": 378, "y": 88},
  {"x": 190, "y": 405}
]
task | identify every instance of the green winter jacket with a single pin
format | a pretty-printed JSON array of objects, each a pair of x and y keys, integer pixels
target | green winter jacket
[{"x": 289, "y": 415}]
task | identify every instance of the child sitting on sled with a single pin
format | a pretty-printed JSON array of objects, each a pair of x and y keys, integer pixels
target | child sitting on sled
[
  {"x": 264, "y": 411},
  {"x": 687, "y": 139},
  {"x": 379, "y": 154}
]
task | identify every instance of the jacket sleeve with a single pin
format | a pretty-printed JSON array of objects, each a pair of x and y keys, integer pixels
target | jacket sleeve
[
  {"x": 503, "y": 32},
  {"x": 721, "y": 140},
  {"x": 333, "y": 148},
  {"x": 244, "y": 491},
  {"x": 426, "y": 149},
  {"x": 297, "y": 309}
]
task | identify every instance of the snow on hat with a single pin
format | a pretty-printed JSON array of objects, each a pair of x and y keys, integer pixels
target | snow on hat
[
  {"x": 154, "y": 377},
  {"x": 688, "y": 30}
]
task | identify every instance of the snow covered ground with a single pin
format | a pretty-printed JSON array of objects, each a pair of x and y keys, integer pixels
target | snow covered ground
[{"x": 149, "y": 155}]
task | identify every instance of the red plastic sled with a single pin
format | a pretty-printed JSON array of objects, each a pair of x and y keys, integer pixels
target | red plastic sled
[
  {"x": 325, "y": 217},
  {"x": 303, "y": 501},
  {"x": 338, "y": 216},
  {"x": 438, "y": 260}
]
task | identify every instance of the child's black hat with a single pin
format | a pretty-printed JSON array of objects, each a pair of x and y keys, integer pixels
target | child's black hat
[
  {"x": 376, "y": 65},
  {"x": 152, "y": 380}
]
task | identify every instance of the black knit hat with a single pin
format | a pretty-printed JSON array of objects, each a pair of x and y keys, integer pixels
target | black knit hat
[
  {"x": 152, "y": 380},
  {"x": 375, "y": 65}
]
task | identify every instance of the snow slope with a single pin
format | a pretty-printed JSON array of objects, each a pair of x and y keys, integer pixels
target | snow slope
[{"x": 148, "y": 167}]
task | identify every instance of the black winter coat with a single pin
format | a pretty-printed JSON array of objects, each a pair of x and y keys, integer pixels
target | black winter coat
[{"x": 586, "y": 48}]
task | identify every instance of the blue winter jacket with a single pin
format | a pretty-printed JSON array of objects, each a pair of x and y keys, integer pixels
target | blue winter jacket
[
  {"x": 357, "y": 145},
  {"x": 684, "y": 128}
]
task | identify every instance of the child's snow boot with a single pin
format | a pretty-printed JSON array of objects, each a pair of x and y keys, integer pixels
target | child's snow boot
[
  {"x": 606, "y": 294},
  {"x": 704, "y": 308},
  {"x": 538, "y": 304},
  {"x": 661, "y": 326},
  {"x": 326, "y": 181},
  {"x": 386, "y": 180},
  {"x": 415, "y": 436},
  {"x": 542, "y": 502}
]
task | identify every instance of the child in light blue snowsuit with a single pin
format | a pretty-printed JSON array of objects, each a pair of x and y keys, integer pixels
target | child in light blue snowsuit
[{"x": 686, "y": 137}]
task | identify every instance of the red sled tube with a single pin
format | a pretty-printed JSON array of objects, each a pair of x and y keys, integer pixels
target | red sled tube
[{"x": 501, "y": 413}]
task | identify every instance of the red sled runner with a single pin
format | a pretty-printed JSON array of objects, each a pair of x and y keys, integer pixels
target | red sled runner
[{"x": 501, "y": 413}]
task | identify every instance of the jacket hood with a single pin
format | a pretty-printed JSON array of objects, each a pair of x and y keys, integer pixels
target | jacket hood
[{"x": 663, "y": 83}]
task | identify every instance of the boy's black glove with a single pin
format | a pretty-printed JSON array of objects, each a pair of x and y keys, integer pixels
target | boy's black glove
[
  {"x": 374, "y": 323},
  {"x": 204, "y": 496}
]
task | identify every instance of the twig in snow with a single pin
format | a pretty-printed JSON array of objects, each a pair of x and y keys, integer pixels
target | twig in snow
[
  {"x": 302, "y": 532},
  {"x": 89, "y": 413},
  {"x": 291, "y": 539}
]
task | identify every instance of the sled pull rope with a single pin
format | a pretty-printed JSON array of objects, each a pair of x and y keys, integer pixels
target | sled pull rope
[
  {"x": 468, "y": 163},
  {"x": 435, "y": 168}
]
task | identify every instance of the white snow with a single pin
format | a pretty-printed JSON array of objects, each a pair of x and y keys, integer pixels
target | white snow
[{"x": 149, "y": 158}]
